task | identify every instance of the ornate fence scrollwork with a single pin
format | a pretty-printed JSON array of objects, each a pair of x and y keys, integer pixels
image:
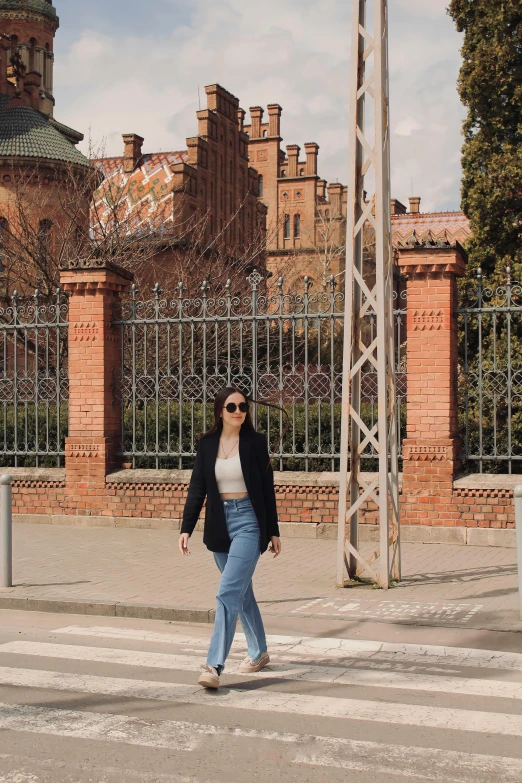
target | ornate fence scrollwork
[
  {"x": 276, "y": 345},
  {"x": 34, "y": 383},
  {"x": 490, "y": 376}
]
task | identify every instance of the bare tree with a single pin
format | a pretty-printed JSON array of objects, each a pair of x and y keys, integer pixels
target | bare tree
[
  {"x": 328, "y": 243},
  {"x": 71, "y": 216}
]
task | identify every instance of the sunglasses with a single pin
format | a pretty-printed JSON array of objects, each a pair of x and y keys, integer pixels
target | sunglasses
[{"x": 231, "y": 407}]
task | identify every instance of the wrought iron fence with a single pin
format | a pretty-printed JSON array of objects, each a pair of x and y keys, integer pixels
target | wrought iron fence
[
  {"x": 34, "y": 408},
  {"x": 280, "y": 346},
  {"x": 490, "y": 376}
]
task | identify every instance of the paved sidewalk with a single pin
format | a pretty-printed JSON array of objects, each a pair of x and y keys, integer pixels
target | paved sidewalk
[{"x": 140, "y": 573}]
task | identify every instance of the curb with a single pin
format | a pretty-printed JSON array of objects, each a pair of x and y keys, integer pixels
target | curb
[
  {"x": 189, "y": 615},
  {"x": 101, "y": 609}
]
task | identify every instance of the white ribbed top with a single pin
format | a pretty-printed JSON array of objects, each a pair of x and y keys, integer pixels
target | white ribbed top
[{"x": 229, "y": 476}]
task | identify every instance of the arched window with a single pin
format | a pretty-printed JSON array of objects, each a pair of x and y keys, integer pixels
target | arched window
[
  {"x": 265, "y": 133},
  {"x": 32, "y": 55},
  {"x": 260, "y": 186},
  {"x": 297, "y": 226},
  {"x": 283, "y": 173},
  {"x": 47, "y": 68},
  {"x": 301, "y": 172},
  {"x": 287, "y": 227}
]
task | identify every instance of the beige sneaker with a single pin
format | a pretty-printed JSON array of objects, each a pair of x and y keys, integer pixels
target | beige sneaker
[
  {"x": 209, "y": 678},
  {"x": 248, "y": 666}
]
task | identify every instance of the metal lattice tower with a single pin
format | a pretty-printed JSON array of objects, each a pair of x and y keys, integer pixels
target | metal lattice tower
[{"x": 369, "y": 294}]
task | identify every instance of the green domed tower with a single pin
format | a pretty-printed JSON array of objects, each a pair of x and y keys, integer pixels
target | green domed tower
[
  {"x": 30, "y": 27},
  {"x": 28, "y": 130}
]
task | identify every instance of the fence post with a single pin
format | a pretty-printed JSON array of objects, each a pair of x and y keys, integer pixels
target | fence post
[
  {"x": 94, "y": 362},
  {"x": 518, "y": 525},
  {"x": 6, "y": 531},
  {"x": 431, "y": 448}
]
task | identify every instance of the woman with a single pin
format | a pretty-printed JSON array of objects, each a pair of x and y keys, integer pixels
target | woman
[{"x": 233, "y": 472}]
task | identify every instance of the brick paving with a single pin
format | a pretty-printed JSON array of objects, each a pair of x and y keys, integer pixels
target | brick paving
[{"x": 442, "y": 585}]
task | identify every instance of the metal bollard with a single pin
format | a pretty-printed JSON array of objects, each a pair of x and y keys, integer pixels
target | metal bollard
[
  {"x": 6, "y": 531},
  {"x": 518, "y": 525}
]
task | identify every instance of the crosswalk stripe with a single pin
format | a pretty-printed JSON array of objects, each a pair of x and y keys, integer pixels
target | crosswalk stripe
[
  {"x": 50, "y": 770},
  {"x": 389, "y": 679},
  {"x": 332, "y": 647},
  {"x": 268, "y": 701},
  {"x": 310, "y": 750},
  {"x": 424, "y": 764},
  {"x": 415, "y": 762}
]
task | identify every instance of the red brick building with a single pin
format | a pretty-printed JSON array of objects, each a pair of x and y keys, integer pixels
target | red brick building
[
  {"x": 207, "y": 190},
  {"x": 306, "y": 216},
  {"x": 38, "y": 155},
  {"x": 408, "y": 226},
  {"x": 237, "y": 181}
]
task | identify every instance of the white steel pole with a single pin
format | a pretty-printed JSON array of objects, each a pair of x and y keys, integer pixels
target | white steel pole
[
  {"x": 369, "y": 295},
  {"x": 518, "y": 525},
  {"x": 6, "y": 532}
]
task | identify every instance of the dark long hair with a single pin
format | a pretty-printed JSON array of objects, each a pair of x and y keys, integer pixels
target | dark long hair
[{"x": 220, "y": 402}]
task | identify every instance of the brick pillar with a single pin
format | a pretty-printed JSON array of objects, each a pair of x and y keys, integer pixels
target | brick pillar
[
  {"x": 431, "y": 449},
  {"x": 94, "y": 350}
]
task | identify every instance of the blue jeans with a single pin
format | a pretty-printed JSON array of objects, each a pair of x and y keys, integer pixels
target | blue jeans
[{"x": 235, "y": 594}]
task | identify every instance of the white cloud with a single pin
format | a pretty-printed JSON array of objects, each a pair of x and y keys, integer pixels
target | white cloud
[
  {"x": 407, "y": 126},
  {"x": 425, "y": 9},
  {"x": 295, "y": 53}
]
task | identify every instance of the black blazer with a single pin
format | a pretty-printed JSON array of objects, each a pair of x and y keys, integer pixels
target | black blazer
[{"x": 259, "y": 480}]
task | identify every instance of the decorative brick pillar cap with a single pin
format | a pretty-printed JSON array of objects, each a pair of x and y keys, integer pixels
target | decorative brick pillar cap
[
  {"x": 95, "y": 263},
  {"x": 94, "y": 273},
  {"x": 416, "y": 256}
]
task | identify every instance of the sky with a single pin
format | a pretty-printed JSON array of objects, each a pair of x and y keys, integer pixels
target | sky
[{"x": 125, "y": 66}]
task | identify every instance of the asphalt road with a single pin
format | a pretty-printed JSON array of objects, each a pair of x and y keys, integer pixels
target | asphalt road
[{"x": 100, "y": 700}]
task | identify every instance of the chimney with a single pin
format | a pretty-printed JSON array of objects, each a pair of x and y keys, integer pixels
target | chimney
[
  {"x": 321, "y": 188},
  {"x": 335, "y": 194},
  {"x": 256, "y": 113},
  {"x": 415, "y": 205},
  {"x": 312, "y": 150},
  {"x": 274, "y": 113},
  {"x": 293, "y": 151},
  {"x": 241, "y": 119},
  {"x": 32, "y": 87},
  {"x": 132, "y": 151},
  {"x": 397, "y": 207}
]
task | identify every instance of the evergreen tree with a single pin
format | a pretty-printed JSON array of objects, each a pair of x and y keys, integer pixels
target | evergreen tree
[{"x": 490, "y": 86}]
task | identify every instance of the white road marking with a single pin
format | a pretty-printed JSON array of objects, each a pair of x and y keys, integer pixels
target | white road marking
[
  {"x": 330, "y": 647},
  {"x": 388, "y": 679},
  {"x": 50, "y": 770},
  {"x": 412, "y": 762},
  {"x": 424, "y": 764},
  {"x": 448, "y": 611},
  {"x": 268, "y": 701}
]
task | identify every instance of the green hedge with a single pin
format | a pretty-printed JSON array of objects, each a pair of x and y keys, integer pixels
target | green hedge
[
  {"x": 27, "y": 440},
  {"x": 309, "y": 427}
]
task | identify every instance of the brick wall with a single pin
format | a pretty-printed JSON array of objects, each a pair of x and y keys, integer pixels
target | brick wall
[{"x": 307, "y": 505}]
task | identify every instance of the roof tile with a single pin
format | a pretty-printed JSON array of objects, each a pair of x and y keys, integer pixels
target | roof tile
[{"x": 26, "y": 133}]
